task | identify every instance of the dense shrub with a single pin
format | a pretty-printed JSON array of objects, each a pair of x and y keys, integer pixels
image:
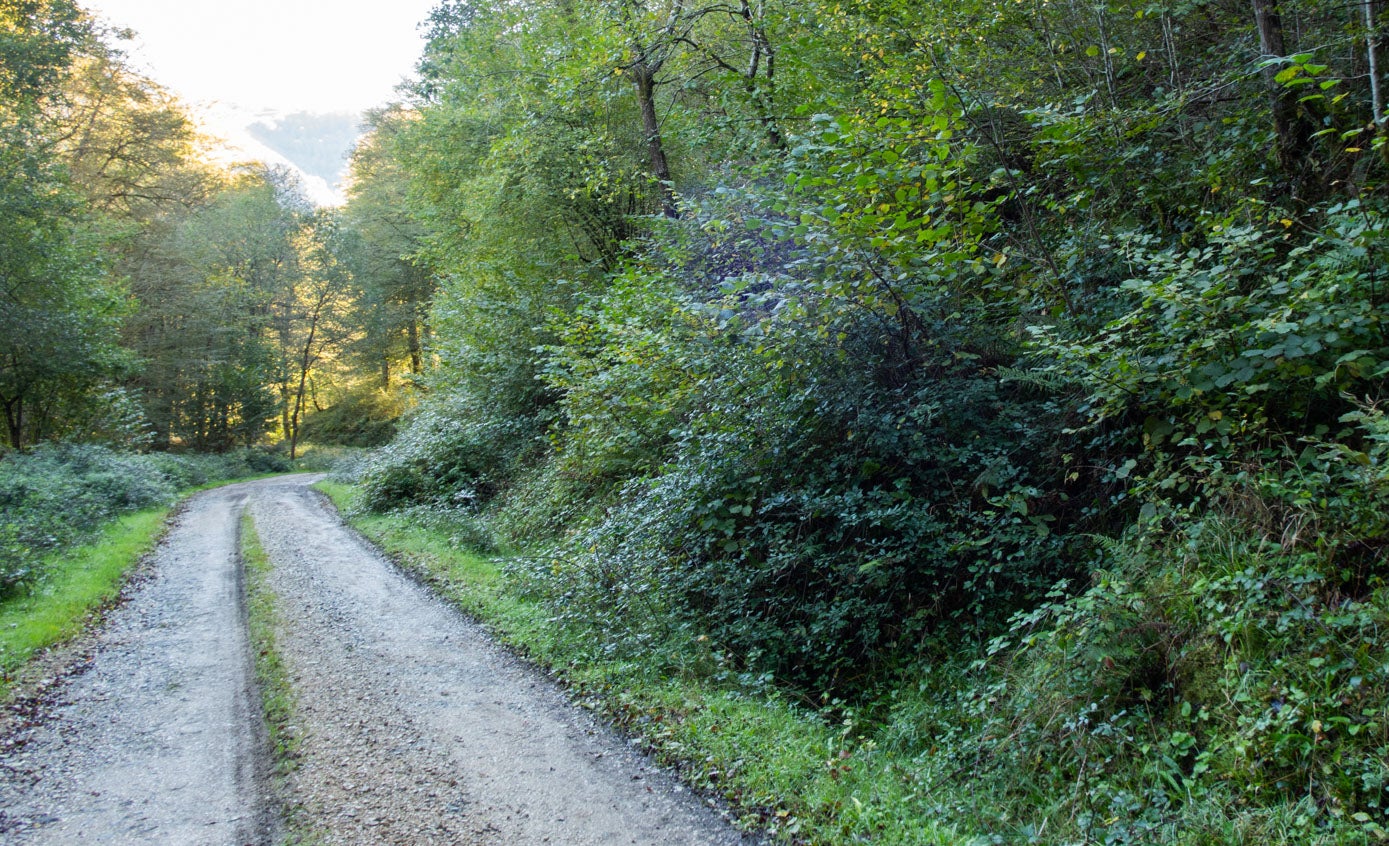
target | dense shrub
[
  {"x": 56, "y": 494},
  {"x": 1212, "y": 687},
  {"x": 1237, "y": 347},
  {"x": 813, "y": 508},
  {"x": 450, "y": 452}
]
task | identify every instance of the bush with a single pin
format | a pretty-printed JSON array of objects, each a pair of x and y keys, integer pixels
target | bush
[
  {"x": 1214, "y": 670},
  {"x": 451, "y": 452},
  {"x": 56, "y": 494},
  {"x": 812, "y": 508},
  {"x": 1232, "y": 352}
]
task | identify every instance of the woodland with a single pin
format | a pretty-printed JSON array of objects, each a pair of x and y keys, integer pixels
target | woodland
[{"x": 999, "y": 383}]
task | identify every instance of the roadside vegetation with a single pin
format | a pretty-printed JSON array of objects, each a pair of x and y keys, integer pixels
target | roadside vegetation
[
  {"x": 984, "y": 400},
  {"x": 75, "y": 520},
  {"x": 277, "y": 698},
  {"x": 81, "y": 581},
  {"x": 784, "y": 768}
]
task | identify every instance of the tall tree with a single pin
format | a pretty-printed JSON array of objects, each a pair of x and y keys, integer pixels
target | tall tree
[
  {"x": 211, "y": 290},
  {"x": 384, "y": 245},
  {"x": 59, "y": 312},
  {"x": 313, "y": 318}
]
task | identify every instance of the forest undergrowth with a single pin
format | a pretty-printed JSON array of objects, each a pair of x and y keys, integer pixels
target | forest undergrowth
[{"x": 982, "y": 406}]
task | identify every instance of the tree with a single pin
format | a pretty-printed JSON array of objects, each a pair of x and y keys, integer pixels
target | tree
[
  {"x": 59, "y": 312},
  {"x": 384, "y": 245},
  {"x": 312, "y": 322},
  {"x": 211, "y": 288}
]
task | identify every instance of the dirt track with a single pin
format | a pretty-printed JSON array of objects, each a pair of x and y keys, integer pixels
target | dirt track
[{"x": 416, "y": 727}]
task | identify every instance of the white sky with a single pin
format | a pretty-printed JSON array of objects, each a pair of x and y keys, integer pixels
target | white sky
[{"x": 286, "y": 55}]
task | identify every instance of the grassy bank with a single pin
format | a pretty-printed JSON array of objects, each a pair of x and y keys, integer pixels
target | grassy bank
[
  {"x": 1209, "y": 691},
  {"x": 81, "y": 582},
  {"x": 787, "y": 769}
]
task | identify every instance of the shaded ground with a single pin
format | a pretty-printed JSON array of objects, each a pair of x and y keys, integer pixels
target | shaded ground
[{"x": 415, "y": 727}]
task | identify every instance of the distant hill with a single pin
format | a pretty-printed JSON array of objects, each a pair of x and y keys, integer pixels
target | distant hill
[{"x": 317, "y": 144}]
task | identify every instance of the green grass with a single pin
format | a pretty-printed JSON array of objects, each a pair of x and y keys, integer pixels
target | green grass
[
  {"x": 277, "y": 697},
  {"x": 272, "y": 680},
  {"x": 784, "y": 768},
  {"x": 79, "y": 582}
]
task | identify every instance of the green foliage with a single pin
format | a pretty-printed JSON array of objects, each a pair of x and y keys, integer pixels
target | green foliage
[
  {"x": 1236, "y": 351},
  {"x": 1236, "y": 677},
  {"x": 785, "y": 470},
  {"x": 55, "y": 495},
  {"x": 58, "y": 494},
  {"x": 58, "y": 315},
  {"x": 911, "y": 340},
  {"x": 446, "y": 454}
]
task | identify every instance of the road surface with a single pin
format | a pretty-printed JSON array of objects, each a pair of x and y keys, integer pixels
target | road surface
[{"x": 416, "y": 728}]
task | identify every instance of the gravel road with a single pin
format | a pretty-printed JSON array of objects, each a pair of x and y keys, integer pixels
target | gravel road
[{"x": 416, "y": 728}]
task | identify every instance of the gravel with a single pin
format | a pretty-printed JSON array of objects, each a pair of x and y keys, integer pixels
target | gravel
[
  {"x": 156, "y": 738},
  {"x": 414, "y": 726}
]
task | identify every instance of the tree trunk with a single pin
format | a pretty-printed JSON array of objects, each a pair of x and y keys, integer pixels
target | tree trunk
[
  {"x": 1292, "y": 138},
  {"x": 1372, "y": 55},
  {"x": 644, "y": 78},
  {"x": 285, "y": 397},
  {"x": 762, "y": 96},
  {"x": 305, "y": 363},
  {"x": 14, "y": 421},
  {"x": 416, "y": 352}
]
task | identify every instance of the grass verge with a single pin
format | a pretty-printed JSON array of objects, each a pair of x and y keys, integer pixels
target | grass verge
[
  {"x": 81, "y": 581},
  {"x": 784, "y": 769},
  {"x": 272, "y": 680},
  {"x": 276, "y": 695}
]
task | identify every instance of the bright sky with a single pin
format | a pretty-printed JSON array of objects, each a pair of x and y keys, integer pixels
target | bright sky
[{"x": 287, "y": 55}]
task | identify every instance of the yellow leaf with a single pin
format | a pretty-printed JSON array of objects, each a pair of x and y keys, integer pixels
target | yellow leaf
[
  {"x": 1141, "y": 55},
  {"x": 1286, "y": 223},
  {"x": 1215, "y": 415}
]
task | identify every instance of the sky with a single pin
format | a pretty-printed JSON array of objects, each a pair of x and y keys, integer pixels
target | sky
[{"x": 282, "y": 55}]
